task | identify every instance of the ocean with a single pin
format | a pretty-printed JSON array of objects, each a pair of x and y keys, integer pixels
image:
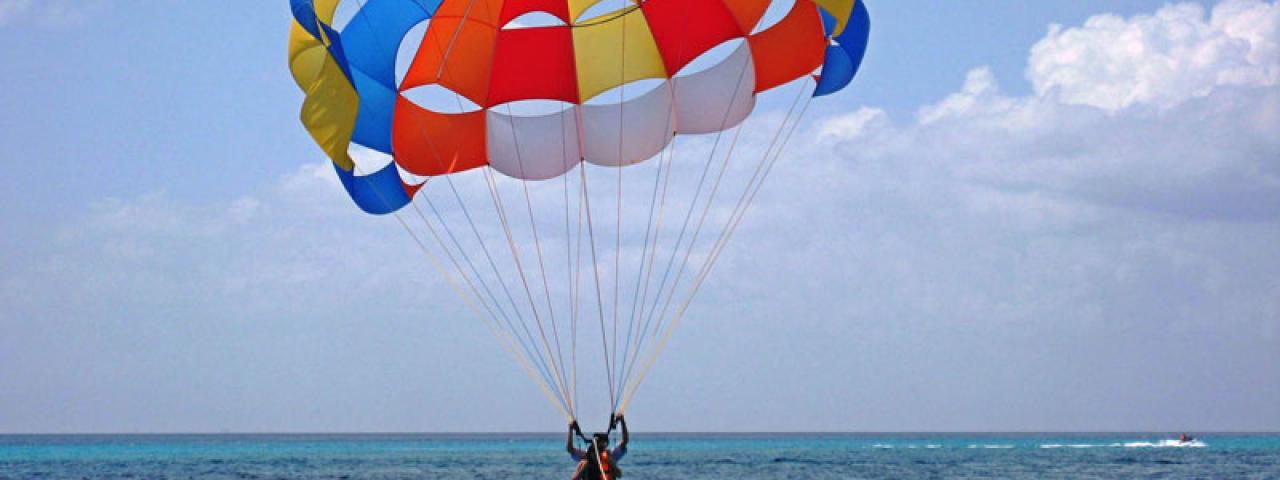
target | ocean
[{"x": 654, "y": 456}]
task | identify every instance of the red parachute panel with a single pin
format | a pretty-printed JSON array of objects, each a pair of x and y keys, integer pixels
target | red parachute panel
[
  {"x": 684, "y": 29},
  {"x": 534, "y": 63},
  {"x": 512, "y": 9}
]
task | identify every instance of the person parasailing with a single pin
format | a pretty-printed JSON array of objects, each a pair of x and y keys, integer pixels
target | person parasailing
[
  {"x": 598, "y": 461},
  {"x": 371, "y": 76}
]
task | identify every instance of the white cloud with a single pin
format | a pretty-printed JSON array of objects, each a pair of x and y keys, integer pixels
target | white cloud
[
  {"x": 980, "y": 94},
  {"x": 1205, "y": 148},
  {"x": 1161, "y": 59},
  {"x": 851, "y": 125}
]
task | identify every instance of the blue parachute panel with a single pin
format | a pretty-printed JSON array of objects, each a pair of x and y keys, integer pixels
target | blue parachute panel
[
  {"x": 837, "y": 72},
  {"x": 844, "y": 58},
  {"x": 304, "y": 11},
  {"x": 829, "y": 22},
  {"x": 372, "y": 38},
  {"x": 856, "y": 34},
  {"x": 376, "y": 112},
  {"x": 337, "y": 50},
  {"x": 377, "y": 194}
]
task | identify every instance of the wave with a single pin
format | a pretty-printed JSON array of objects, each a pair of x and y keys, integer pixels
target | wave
[{"x": 885, "y": 447}]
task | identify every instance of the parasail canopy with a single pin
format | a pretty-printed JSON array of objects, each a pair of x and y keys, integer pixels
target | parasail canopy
[{"x": 619, "y": 85}]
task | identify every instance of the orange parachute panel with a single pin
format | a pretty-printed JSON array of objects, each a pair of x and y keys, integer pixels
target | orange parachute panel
[
  {"x": 431, "y": 143},
  {"x": 791, "y": 49},
  {"x": 748, "y": 12},
  {"x": 482, "y": 11},
  {"x": 464, "y": 48}
]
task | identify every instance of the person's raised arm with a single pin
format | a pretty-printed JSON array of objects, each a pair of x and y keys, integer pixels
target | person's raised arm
[
  {"x": 626, "y": 436},
  {"x": 568, "y": 443}
]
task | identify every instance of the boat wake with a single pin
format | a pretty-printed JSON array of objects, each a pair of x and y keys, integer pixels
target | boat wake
[
  {"x": 1156, "y": 444},
  {"x": 1171, "y": 443}
]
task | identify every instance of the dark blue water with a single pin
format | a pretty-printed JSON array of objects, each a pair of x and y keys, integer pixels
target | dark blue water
[{"x": 799, "y": 456}]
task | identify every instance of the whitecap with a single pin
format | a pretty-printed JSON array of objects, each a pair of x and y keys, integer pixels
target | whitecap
[{"x": 1074, "y": 445}]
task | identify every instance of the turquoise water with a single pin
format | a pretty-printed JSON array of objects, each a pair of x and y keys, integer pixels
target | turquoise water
[{"x": 745, "y": 456}]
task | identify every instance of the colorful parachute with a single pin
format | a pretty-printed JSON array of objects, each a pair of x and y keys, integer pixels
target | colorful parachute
[{"x": 484, "y": 53}]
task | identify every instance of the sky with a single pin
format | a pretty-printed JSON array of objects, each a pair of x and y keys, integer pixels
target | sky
[{"x": 1022, "y": 216}]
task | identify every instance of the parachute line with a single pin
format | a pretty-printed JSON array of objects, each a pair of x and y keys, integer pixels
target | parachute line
[
  {"x": 617, "y": 246},
  {"x": 666, "y": 180},
  {"x": 650, "y": 231},
  {"x": 435, "y": 262},
  {"x": 524, "y": 280},
  {"x": 647, "y": 264},
  {"x": 488, "y": 321},
  {"x": 740, "y": 210},
  {"x": 452, "y": 259},
  {"x": 563, "y": 400},
  {"x": 595, "y": 270},
  {"x": 572, "y": 269},
  {"x": 692, "y": 207},
  {"x": 577, "y": 279},
  {"x": 542, "y": 268}
]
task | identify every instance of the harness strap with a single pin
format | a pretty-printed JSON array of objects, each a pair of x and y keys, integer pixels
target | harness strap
[{"x": 600, "y": 460}]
